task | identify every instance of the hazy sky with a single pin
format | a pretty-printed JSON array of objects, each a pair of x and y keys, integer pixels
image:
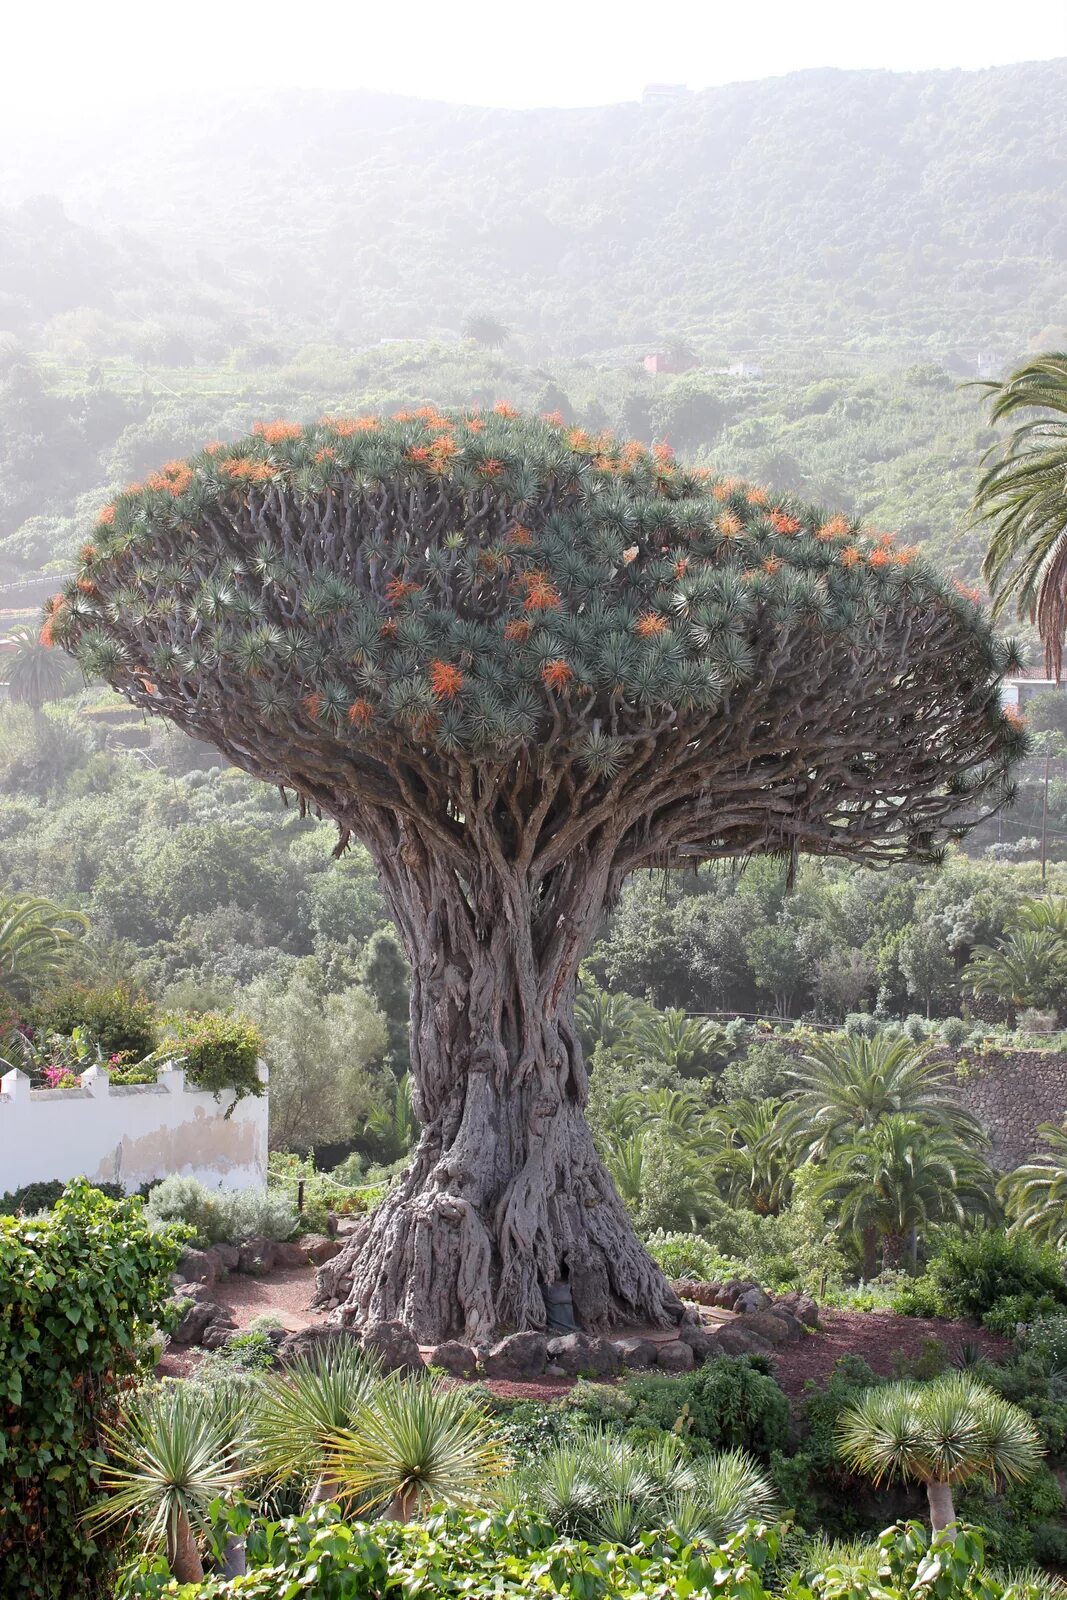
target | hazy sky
[{"x": 502, "y": 53}]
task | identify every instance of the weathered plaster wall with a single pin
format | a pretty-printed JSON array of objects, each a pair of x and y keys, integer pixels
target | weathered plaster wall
[
  {"x": 1011, "y": 1092},
  {"x": 129, "y": 1134}
]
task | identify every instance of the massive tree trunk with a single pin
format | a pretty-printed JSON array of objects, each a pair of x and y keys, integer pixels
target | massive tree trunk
[{"x": 505, "y": 1192}]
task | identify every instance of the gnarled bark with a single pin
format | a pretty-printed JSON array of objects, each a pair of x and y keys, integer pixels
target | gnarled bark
[{"x": 505, "y": 1192}]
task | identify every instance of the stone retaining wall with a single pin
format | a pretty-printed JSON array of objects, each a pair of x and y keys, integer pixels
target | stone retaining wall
[{"x": 1011, "y": 1092}]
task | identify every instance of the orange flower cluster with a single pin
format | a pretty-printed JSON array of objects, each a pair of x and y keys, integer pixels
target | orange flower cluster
[
  {"x": 541, "y": 592},
  {"x": 756, "y": 497},
  {"x": 578, "y": 439},
  {"x": 175, "y": 477},
  {"x": 851, "y": 556},
  {"x": 723, "y": 490},
  {"x": 248, "y": 471},
  {"x": 1013, "y": 715},
  {"x": 87, "y": 553},
  {"x": 347, "y": 426},
  {"x": 504, "y": 410},
  {"x": 325, "y": 454},
  {"x": 906, "y": 555},
  {"x": 649, "y": 624},
  {"x": 557, "y": 675},
  {"x": 836, "y": 528},
  {"x": 52, "y": 608},
  {"x": 107, "y": 516},
  {"x": 517, "y": 632},
  {"x": 782, "y": 522},
  {"x": 396, "y": 590},
  {"x": 554, "y": 418},
  {"x": 968, "y": 594},
  {"x": 772, "y": 565},
  {"x": 729, "y": 524},
  {"x": 312, "y": 704},
  {"x": 86, "y": 586},
  {"x": 681, "y": 567},
  {"x": 491, "y": 468},
  {"x": 277, "y": 431},
  {"x": 520, "y": 537},
  {"x": 360, "y": 713},
  {"x": 387, "y": 629},
  {"x": 663, "y": 454},
  {"x": 880, "y": 557},
  {"x": 445, "y": 680},
  {"x": 474, "y": 423},
  {"x": 213, "y": 448}
]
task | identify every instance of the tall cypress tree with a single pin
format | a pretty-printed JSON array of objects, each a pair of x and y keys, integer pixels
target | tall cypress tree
[{"x": 519, "y": 664}]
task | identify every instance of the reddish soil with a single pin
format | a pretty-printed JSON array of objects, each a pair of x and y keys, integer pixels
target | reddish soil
[{"x": 878, "y": 1336}]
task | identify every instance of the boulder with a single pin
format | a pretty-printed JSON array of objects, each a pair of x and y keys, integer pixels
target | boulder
[
  {"x": 806, "y": 1311},
  {"x": 198, "y": 1315},
  {"x": 190, "y": 1291},
  {"x": 777, "y": 1327},
  {"x": 392, "y": 1345},
  {"x": 676, "y": 1356},
  {"x": 196, "y": 1266},
  {"x": 583, "y": 1355},
  {"x": 752, "y": 1298},
  {"x": 636, "y": 1352},
  {"x": 738, "y": 1339},
  {"x": 217, "y": 1333},
  {"x": 520, "y": 1356},
  {"x": 312, "y": 1343},
  {"x": 699, "y": 1340},
  {"x": 257, "y": 1256},
  {"x": 227, "y": 1255},
  {"x": 317, "y": 1247},
  {"x": 453, "y": 1357}
]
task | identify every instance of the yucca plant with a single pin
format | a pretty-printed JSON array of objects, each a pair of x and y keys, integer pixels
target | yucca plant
[
  {"x": 301, "y": 1411},
  {"x": 174, "y": 1452},
  {"x": 938, "y": 1434},
  {"x": 412, "y": 1444},
  {"x": 600, "y": 1485}
]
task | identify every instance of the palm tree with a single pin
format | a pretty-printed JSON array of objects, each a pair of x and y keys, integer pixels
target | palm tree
[
  {"x": 754, "y": 1162},
  {"x": 301, "y": 1411},
  {"x": 172, "y": 1455},
  {"x": 33, "y": 671},
  {"x": 414, "y": 1444},
  {"x": 604, "y": 1018},
  {"x": 395, "y": 1124},
  {"x": 1028, "y": 967},
  {"x": 1023, "y": 496},
  {"x": 1044, "y": 916},
  {"x": 690, "y": 1047},
  {"x": 37, "y": 940},
  {"x": 850, "y": 1083},
  {"x": 938, "y": 1434},
  {"x": 893, "y": 1179},
  {"x": 1035, "y": 1194}
]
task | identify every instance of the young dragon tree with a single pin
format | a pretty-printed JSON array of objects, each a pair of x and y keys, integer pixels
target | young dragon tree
[{"x": 519, "y": 663}]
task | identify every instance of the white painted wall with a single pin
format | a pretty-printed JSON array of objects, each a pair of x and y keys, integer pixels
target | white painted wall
[{"x": 130, "y": 1133}]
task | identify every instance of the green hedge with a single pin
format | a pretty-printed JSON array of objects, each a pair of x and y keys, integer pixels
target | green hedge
[
  {"x": 80, "y": 1290},
  {"x": 321, "y": 1557},
  {"x": 44, "y": 1196}
]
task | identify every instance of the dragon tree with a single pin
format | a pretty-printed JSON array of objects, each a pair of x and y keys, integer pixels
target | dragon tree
[{"x": 519, "y": 664}]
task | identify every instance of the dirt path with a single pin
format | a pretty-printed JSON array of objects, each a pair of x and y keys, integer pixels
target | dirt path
[{"x": 878, "y": 1336}]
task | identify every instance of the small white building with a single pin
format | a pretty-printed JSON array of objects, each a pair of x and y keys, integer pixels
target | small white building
[{"x": 1015, "y": 692}]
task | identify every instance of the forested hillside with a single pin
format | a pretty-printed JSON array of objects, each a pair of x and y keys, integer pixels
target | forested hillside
[{"x": 830, "y": 211}]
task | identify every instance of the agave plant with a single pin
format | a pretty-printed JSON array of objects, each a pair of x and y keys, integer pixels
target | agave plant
[
  {"x": 599, "y": 1485},
  {"x": 301, "y": 1412},
  {"x": 939, "y": 1434},
  {"x": 172, "y": 1455},
  {"x": 412, "y": 1444}
]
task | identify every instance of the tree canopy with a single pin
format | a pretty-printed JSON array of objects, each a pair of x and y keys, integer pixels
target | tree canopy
[{"x": 373, "y": 610}]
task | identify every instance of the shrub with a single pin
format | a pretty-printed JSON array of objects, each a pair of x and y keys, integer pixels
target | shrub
[
  {"x": 79, "y": 1291},
  {"x": 1001, "y": 1277},
  {"x": 222, "y": 1216},
  {"x": 321, "y": 1557},
  {"x": 729, "y": 1402},
  {"x": 34, "y": 1197},
  {"x": 221, "y": 1053},
  {"x": 116, "y": 1019},
  {"x": 682, "y": 1255}
]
